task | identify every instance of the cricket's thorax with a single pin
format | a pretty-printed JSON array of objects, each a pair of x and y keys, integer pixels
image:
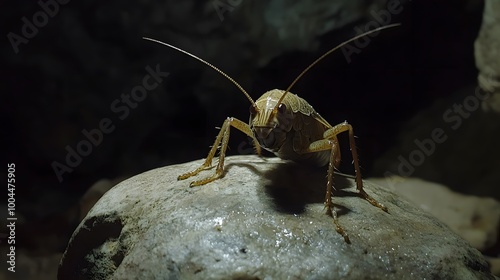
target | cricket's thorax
[{"x": 290, "y": 130}]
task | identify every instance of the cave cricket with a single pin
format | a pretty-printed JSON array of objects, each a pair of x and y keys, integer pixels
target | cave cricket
[{"x": 286, "y": 125}]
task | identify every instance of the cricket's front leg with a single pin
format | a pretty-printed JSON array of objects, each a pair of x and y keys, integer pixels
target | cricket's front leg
[
  {"x": 222, "y": 139},
  {"x": 330, "y": 142},
  {"x": 333, "y": 146},
  {"x": 333, "y": 132}
]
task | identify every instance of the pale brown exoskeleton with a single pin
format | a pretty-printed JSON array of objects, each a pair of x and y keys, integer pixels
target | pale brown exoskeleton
[{"x": 277, "y": 124}]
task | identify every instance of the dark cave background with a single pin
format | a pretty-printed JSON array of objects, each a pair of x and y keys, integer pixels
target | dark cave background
[{"x": 65, "y": 78}]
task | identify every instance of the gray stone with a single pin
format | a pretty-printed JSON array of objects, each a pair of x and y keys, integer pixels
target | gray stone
[
  {"x": 487, "y": 55},
  {"x": 94, "y": 193},
  {"x": 475, "y": 219},
  {"x": 264, "y": 220}
]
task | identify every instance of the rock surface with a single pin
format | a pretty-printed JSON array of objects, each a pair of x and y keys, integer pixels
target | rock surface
[
  {"x": 264, "y": 220},
  {"x": 487, "y": 54},
  {"x": 475, "y": 219},
  {"x": 94, "y": 193}
]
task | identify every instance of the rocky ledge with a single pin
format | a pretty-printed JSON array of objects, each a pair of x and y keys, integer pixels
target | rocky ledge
[{"x": 264, "y": 220}]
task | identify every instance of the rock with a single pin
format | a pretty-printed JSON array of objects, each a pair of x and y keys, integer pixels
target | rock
[
  {"x": 94, "y": 193},
  {"x": 494, "y": 265},
  {"x": 487, "y": 55},
  {"x": 264, "y": 220},
  {"x": 475, "y": 219}
]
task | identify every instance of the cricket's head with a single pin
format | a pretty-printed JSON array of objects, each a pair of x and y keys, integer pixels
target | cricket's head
[{"x": 271, "y": 119}]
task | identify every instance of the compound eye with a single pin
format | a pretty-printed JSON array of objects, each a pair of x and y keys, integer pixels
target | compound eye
[
  {"x": 282, "y": 108},
  {"x": 253, "y": 110}
]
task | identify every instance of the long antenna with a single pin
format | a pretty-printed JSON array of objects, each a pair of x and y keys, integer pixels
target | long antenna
[
  {"x": 206, "y": 63},
  {"x": 326, "y": 54}
]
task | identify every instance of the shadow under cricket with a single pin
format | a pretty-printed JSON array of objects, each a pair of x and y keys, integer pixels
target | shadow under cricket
[{"x": 292, "y": 186}]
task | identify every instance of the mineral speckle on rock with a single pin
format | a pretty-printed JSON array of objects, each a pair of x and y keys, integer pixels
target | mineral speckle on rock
[{"x": 264, "y": 220}]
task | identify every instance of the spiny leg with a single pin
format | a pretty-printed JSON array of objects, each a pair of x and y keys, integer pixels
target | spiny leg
[
  {"x": 331, "y": 143},
  {"x": 208, "y": 161},
  {"x": 333, "y": 146},
  {"x": 332, "y": 164},
  {"x": 222, "y": 137},
  {"x": 339, "y": 128}
]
